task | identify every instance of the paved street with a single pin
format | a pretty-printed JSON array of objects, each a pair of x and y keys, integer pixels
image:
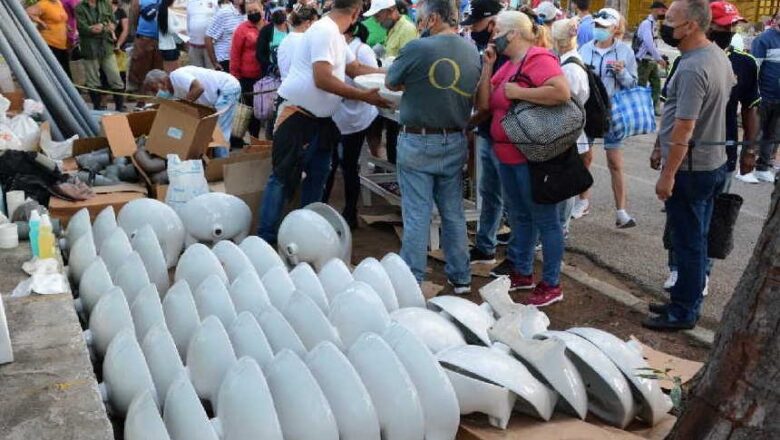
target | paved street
[{"x": 638, "y": 253}]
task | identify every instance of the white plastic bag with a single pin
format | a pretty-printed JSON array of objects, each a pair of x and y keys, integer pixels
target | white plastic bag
[
  {"x": 25, "y": 127},
  {"x": 55, "y": 150},
  {"x": 187, "y": 181}
]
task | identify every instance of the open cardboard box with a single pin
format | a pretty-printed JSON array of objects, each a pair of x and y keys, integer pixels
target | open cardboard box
[
  {"x": 183, "y": 128},
  {"x": 246, "y": 175},
  {"x": 114, "y": 195}
]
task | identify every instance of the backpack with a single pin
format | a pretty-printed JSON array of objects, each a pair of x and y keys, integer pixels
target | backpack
[
  {"x": 598, "y": 109},
  {"x": 636, "y": 41}
]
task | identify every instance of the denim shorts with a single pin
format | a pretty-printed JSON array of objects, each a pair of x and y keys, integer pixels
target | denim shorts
[{"x": 170, "y": 55}]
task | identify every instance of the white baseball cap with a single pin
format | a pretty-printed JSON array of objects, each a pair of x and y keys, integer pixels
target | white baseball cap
[
  {"x": 607, "y": 17},
  {"x": 547, "y": 11},
  {"x": 378, "y": 5}
]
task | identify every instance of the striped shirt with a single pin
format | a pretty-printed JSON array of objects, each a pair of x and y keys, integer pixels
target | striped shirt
[{"x": 225, "y": 22}]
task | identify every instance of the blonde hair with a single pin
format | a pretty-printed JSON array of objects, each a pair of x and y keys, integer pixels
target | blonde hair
[
  {"x": 516, "y": 21},
  {"x": 543, "y": 37},
  {"x": 620, "y": 32},
  {"x": 564, "y": 34}
]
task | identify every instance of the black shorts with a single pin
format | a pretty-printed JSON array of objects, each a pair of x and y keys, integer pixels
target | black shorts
[{"x": 170, "y": 55}]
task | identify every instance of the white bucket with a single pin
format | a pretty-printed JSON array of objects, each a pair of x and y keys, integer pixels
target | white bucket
[
  {"x": 13, "y": 199},
  {"x": 9, "y": 236}
]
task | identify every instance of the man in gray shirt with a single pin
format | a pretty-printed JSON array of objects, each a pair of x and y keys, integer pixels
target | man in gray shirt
[
  {"x": 694, "y": 164},
  {"x": 439, "y": 76}
]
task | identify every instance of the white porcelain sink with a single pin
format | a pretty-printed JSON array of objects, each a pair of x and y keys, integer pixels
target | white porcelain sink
[{"x": 377, "y": 81}]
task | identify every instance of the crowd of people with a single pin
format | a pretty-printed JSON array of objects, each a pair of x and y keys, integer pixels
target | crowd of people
[{"x": 462, "y": 77}]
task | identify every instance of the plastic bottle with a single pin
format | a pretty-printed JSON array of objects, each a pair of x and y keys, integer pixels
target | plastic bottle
[
  {"x": 45, "y": 238},
  {"x": 35, "y": 221}
]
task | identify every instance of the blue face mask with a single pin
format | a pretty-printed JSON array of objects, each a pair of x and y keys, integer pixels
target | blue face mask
[
  {"x": 600, "y": 34},
  {"x": 164, "y": 94}
]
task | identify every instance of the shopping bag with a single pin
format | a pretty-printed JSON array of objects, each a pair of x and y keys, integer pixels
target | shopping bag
[
  {"x": 633, "y": 113},
  {"x": 265, "y": 95}
]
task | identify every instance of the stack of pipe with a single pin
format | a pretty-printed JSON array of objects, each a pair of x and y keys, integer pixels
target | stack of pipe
[{"x": 40, "y": 75}]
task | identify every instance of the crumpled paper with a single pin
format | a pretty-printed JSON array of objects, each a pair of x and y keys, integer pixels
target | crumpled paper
[{"x": 46, "y": 278}]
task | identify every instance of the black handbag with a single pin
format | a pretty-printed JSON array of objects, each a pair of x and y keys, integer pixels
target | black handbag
[{"x": 559, "y": 178}]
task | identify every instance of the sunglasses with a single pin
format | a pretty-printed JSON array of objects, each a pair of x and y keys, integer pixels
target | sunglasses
[{"x": 605, "y": 15}]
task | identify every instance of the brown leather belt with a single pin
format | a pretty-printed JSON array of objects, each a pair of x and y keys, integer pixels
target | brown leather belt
[{"x": 424, "y": 131}]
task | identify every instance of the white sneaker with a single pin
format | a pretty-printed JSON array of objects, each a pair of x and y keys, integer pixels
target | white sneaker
[
  {"x": 671, "y": 281},
  {"x": 765, "y": 176},
  {"x": 706, "y": 290},
  {"x": 746, "y": 178},
  {"x": 581, "y": 208}
]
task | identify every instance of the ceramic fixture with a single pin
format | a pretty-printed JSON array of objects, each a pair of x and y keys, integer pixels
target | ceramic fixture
[
  {"x": 162, "y": 358},
  {"x": 357, "y": 310},
  {"x": 474, "y": 320},
  {"x": 348, "y": 398},
  {"x": 436, "y": 331},
  {"x": 145, "y": 243},
  {"x": 78, "y": 225},
  {"x": 279, "y": 286},
  {"x": 499, "y": 368},
  {"x": 114, "y": 251},
  {"x": 249, "y": 340},
  {"x": 260, "y": 254},
  {"x": 95, "y": 281},
  {"x": 279, "y": 332},
  {"x": 339, "y": 224},
  {"x": 110, "y": 316},
  {"x": 143, "y": 421},
  {"x": 377, "y": 81},
  {"x": 248, "y": 293},
  {"x": 303, "y": 410},
  {"x": 198, "y": 262},
  {"x": 479, "y": 396},
  {"x": 371, "y": 272},
  {"x": 407, "y": 289},
  {"x": 104, "y": 225},
  {"x": 214, "y": 217},
  {"x": 609, "y": 395},
  {"x": 306, "y": 236},
  {"x": 654, "y": 403},
  {"x": 184, "y": 416},
  {"x": 131, "y": 276},
  {"x": 547, "y": 361},
  {"x": 246, "y": 408},
  {"x": 82, "y": 254},
  {"x": 334, "y": 277},
  {"x": 437, "y": 397},
  {"x": 306, "y": 281},
  {"x": 181, "y": 315},
  {"x": 496, "y": 293},
  {"x": 146, "y": 311},
  {"x": 212, "y": 298},
  {"x": 392, "y": 390},
  {"x": 125, "y": 373},
  {"x": 309, "y": 322},
  {"x": 232, "y": 258},
  {"x": 209, "y": 356},
  {"x": 166, "y": 224}
]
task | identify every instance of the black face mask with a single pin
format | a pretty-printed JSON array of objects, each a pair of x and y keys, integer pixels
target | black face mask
[
  {"x": 661, "y": 17},
  {"x": 254, "y": 17},
  {"x": 501, "y": 43},
  {"x": 667, "y": 34},
  {"x": 481, "y": 38},
  {"x": 721, "y": 38}
]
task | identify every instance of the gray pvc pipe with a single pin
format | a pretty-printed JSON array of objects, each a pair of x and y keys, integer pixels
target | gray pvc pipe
[{"x": 32, "y": 33}]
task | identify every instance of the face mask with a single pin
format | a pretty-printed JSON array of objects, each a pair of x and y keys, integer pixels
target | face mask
[
  {"x": 164, "y": 94},
  {"x": 721, "y": 38},
  {"x": 426, "y": 33},
  {"x": 482, "y": 38},
  {"x": 661, "y": 17},
  {"x": 254, "y": 17},
  {"x": 501, "y": 43},
  {"x": 387, "y": 23},
  {"x": 600, "y": 34},
  {"x": 667, "y": 34}
]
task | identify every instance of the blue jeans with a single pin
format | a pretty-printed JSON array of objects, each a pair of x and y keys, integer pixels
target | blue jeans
[
  {"x": 430, "y": 171},
  {"x": 490, "y": 189},
  {"x": 316, "y": 165},
  {"x": 227, "y": 104},
  {"x": 527, "y": 219},
  {"x": 689, "y": 210}
]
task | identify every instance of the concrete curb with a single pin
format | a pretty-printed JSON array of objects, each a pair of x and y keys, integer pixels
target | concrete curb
[{"x": 700, "y": 334}]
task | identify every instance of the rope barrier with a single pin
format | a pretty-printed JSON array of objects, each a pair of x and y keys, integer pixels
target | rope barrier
[{"x": 150, "y": 97}]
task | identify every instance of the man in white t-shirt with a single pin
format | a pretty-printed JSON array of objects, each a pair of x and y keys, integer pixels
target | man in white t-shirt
[
  {"x": 304, "y": 133},
  {"x": 199, "y": 14},
  {"x": 211, "y": 88}
]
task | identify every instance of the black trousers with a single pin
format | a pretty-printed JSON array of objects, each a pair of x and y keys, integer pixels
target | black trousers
[
  {"x": 391, "y": 136},
  {"x": 63, "y": 57},
  {"x": 247, "y": 84},
  {"x": 348, "y": 157},
  {"x": 769, "y": 111}
]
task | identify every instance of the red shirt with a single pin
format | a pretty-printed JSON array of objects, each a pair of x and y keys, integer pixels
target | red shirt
[
  {"x": 243, "y": 61},
  {"x": 539, "y": 65}
]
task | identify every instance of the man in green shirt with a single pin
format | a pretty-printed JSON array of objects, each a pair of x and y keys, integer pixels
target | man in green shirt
[
  {"x": 376, "y": 33},
  {"x": 95, "y": 22},
  {"x": 392, "y": 15}
]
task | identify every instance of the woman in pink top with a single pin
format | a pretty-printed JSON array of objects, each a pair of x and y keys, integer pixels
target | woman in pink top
[{"x": 532, "y": 74}]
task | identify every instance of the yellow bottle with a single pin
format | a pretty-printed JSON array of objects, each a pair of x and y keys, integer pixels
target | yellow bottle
[{"x": 45, "y": 238}]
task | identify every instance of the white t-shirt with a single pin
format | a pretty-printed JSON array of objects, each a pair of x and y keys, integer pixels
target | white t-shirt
[
  {"x": 286, "y": 50},
  {"x": 199, "y": 14},
  {"x": 580, "y": 89},
  {"x": 355, "y": 116},
  {"x": 212, "y": 82},
  {"x": 322, "y": 42}
]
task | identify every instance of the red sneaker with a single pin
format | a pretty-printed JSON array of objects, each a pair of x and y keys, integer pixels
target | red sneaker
[
  {"x": 544, "y": 295},
  {"x": 521, "y": 282}
]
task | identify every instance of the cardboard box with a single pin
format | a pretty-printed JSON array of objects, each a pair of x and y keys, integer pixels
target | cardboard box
[
  {"x": 182, "y": 128},
  {"x": 246, "y": 178},
  {"x": 214, "y": 167},
  {"x": 114, "y": 195}
]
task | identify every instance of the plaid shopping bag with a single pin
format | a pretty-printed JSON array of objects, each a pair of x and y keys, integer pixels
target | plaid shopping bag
[{"x": 632, "y": 113}]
